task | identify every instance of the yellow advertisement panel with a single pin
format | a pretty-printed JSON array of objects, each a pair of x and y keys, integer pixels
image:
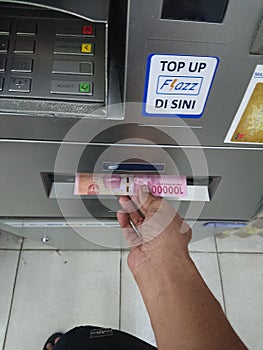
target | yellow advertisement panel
[{"x": 247, "y": 126}]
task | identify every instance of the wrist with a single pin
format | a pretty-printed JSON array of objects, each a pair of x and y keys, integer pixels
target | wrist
[
  {"x": 161, "y": 270},
  {"x": 161, "y": 255}
]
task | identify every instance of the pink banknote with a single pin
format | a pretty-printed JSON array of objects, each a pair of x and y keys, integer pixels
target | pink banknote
[{"x": 126, "y": 184}]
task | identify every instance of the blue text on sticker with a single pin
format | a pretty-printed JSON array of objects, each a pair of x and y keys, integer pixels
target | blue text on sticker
[{"x": 179, "y": 85}]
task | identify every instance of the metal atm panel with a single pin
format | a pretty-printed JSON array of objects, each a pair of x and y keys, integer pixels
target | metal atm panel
[
  {"x": 148, "y": 32},
  {"x": 27, "y": 195},
  {"x": 90, "y": 104},
  {"x": 30, "y": 209}
]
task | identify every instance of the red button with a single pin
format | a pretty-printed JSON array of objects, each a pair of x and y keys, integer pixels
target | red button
[{"x": 88, "y": 30}]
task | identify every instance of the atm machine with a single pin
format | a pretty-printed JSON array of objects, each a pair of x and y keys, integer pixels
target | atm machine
[{"x": 168, "y": 87}]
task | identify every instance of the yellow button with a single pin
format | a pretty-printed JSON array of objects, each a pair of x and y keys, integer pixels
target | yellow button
[{"x": 86, "y": 48}]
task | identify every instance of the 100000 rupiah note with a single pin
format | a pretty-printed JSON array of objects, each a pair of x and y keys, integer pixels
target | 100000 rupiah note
[{"x": 126, "y": 184}]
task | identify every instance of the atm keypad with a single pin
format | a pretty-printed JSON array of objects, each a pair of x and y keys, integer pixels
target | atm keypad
[
  {"x": 76, "y": 30},
  {"x": 71, "y": 87},
  {"x": 52, "y": 58},
  {"x": 4, "y": 45},
  {"x": 73, "y": 48},
  {"x": 2, "y": 64},
  {"x": 20, "y": 84},
  {"x": 5, "y": 25},
  {"x": 26, "y": 28},
  {"x": 72, "y": 67},
  {"x": 24, "y": 46},
  {"x": 22, "y": 65}
]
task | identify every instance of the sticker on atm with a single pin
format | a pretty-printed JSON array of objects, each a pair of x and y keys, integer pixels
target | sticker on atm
[
  {"x": 178, "y": 86},
  {"x": 247, "y": 126},
  {"x": 126, "y": 184}
]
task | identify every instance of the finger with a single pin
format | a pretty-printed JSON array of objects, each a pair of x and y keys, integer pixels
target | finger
[
  {"x": 129, "y": 234},
  {"x": 128, "y": 206},
  {"x": 123, "y": 219},
  {"x": 143, "y": 199},
  {"x": 135, "y": 200}
]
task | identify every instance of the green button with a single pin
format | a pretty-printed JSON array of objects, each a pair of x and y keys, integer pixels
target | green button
[{"x": 84, "y": 87}]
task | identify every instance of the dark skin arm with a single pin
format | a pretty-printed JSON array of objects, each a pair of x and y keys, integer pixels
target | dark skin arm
[{"x": 184, "y": 313}]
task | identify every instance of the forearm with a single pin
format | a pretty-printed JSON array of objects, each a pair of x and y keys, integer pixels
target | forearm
[{"x": 183, "y": 312}]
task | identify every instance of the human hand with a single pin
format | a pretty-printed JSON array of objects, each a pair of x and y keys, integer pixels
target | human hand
[
  {"x": 160, "y": 233},
  {"x": 184, "y": 313}
]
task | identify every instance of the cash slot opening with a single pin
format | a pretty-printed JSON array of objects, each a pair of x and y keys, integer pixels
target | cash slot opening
[{"x": 61, "y": 186}]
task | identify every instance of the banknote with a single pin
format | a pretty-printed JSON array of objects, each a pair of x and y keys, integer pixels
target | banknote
[{"x": 127, "y": 184}]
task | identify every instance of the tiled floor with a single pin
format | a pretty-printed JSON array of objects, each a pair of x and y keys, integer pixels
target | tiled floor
[{"x": 44, "y": 290}]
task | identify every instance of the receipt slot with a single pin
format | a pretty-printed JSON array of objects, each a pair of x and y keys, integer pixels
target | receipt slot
[{"x": 55, "y": 63}]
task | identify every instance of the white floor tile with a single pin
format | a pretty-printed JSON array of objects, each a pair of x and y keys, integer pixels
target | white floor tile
[
  {"x": 207, "y": 265},
  {"x": 9, "y": 241},
  {"x": 204, "y": 245},
  {"x": 251, "y": 244},
  {"x": 243, "y": 289},
  {"x": 8, "y": 264},
  {"x": 134, "y": 317},
  {"x": 57, "y": 291}
]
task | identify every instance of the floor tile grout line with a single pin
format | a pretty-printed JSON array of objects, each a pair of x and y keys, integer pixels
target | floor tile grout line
[
  {"x": 13, "y": 294},
  {"x": 220, "y": 276},
  {"x": 202, "y": 252},
  {"x": 111, "y": 250},
  {"x": 67, "y": 250},
  {"x": 103, "y": 250},
  {"x": 120, "y": 288},
  {"x": 22, "y": 244},
  {"x": 240, "y": 252},
  {"x": 10, "y": 249}
]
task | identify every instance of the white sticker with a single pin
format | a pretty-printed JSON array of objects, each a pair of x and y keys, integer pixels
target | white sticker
[
  {"x": 178, "y": 86},
  {"x": 247, "y": 126}
]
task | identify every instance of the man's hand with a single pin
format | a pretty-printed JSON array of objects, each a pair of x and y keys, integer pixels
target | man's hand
[{"x": 156, "y": 230}]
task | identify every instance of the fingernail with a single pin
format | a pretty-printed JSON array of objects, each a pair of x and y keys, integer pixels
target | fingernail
[{"x": 145, "y": 188}]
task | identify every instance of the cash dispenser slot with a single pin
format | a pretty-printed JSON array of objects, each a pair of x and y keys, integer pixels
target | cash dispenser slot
[
  {"x": 53, "y": 63},
  {"x": 61, "y": 186}
]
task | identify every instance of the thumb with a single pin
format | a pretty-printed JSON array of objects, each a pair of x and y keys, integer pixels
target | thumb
[
  {"x": 145, "y": 196},
  {"x": 144, "y": 192}
]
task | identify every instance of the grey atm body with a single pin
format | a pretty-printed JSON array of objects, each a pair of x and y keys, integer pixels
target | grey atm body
[{"x": 68, "y": 108}]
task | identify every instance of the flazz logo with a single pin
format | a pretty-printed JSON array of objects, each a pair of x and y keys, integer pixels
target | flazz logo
[{"x": 179, "y": 85}]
